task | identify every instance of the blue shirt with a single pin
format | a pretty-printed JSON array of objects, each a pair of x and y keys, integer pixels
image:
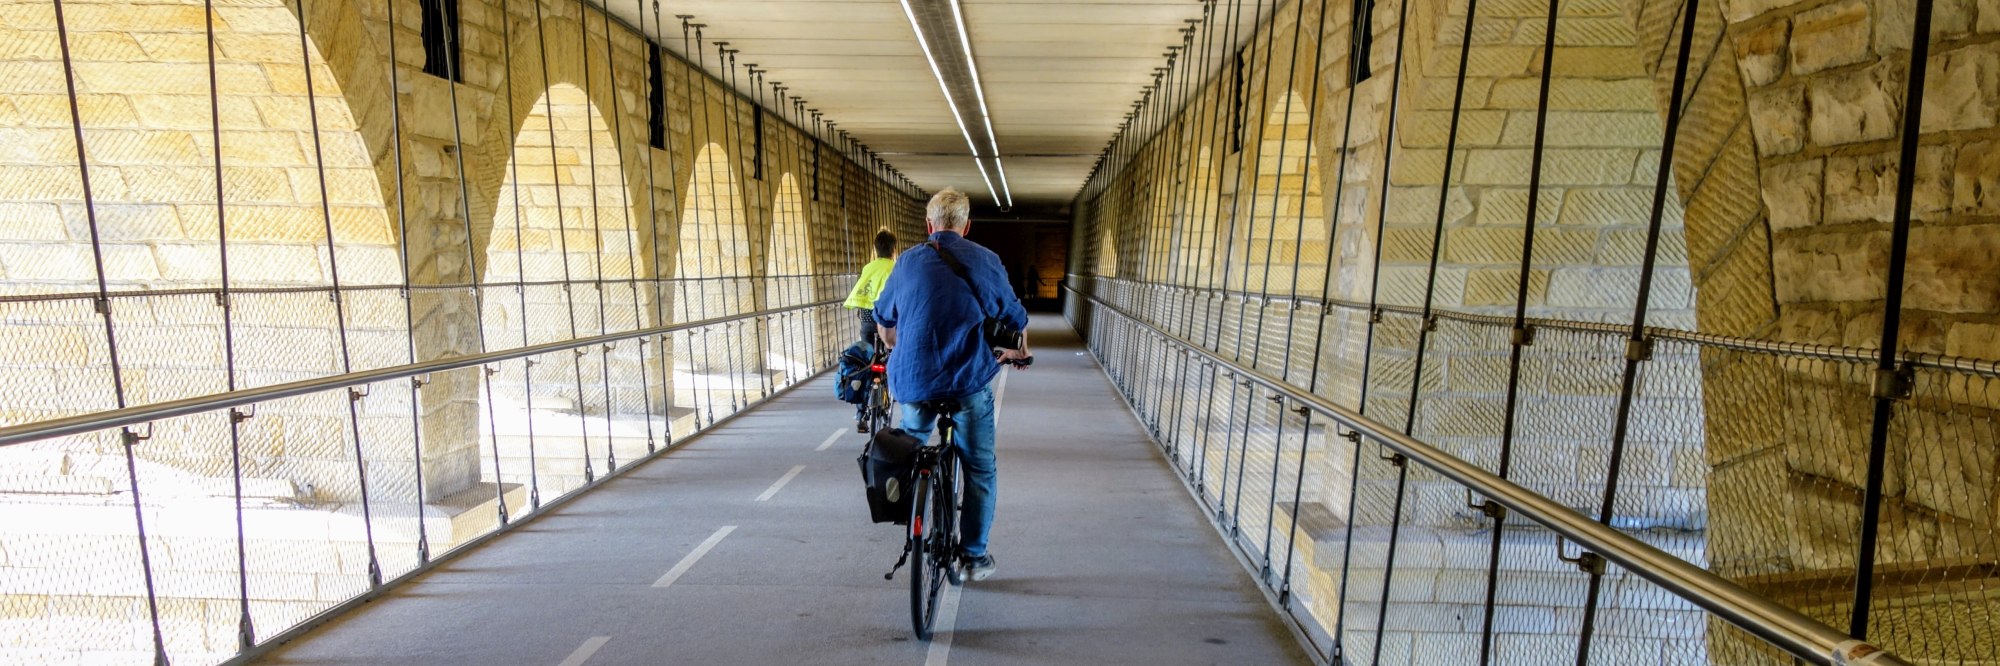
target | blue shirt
[{"x": 940, "y": 352}]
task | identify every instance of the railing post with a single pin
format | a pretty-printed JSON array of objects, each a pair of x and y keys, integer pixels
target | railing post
[
  {"x": 1523, "y": 335},
  {"x": 1890, "y": 384},
  {"x": 1374, "y": 315},
  {"x": 1638, "y": 345}
]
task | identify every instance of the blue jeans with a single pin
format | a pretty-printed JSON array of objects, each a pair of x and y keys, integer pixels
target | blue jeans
[{"x": 975, "y": 457}]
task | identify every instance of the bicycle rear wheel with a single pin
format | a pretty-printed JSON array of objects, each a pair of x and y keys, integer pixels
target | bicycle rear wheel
[
  {"x": 879, "y": 409},
  {"x": 923, "y": 588}
]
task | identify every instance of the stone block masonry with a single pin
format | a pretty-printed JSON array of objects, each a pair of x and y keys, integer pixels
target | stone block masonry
[
  {"x": 1784, "y": 177},
  {"x": 144, "y": 102}
]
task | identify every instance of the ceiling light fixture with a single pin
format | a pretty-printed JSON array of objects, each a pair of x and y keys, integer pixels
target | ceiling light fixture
[
  {"x": 979, "y": 92},
  {"x": 924, "y": 45}
]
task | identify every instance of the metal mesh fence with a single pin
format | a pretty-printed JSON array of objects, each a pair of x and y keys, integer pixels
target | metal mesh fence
[
  {"x": 260, "y": 516},
  {"x": 1768, "y": 497}
]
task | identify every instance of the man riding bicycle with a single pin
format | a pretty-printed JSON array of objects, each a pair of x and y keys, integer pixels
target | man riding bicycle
[{"x": 933, "y": 319}]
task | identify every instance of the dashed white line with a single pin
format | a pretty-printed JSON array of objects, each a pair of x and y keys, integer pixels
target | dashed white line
[
  {"x": 780, "y": 485},
  {"x": 830, "y": 439},
  {"x": 583, "y": 652},
  {"x": 686, "y": 563},
  {"x": 1000, "y": 392},
  {"x": 947, "y": 620}
]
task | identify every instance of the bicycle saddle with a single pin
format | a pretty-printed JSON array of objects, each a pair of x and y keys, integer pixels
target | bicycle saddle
[{"x": 946, "y": 406}]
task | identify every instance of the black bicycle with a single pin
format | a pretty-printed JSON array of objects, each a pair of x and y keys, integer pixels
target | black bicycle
[
  {"x": 878, "y": 408},
  {"x": 933, "y": 535}
]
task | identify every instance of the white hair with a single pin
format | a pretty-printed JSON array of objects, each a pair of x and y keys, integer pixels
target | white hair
[{"x": 949, "y": 209}]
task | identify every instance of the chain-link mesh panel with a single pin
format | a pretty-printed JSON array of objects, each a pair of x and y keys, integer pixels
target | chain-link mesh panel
[
  {"x": 72, "y": 551},
  {"x": 1938, "y": 563},
  {"x": 1770, "y": 498}
]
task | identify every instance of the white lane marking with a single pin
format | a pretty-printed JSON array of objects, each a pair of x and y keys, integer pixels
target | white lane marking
[
  {"x": 947, "y": 621},
  {"x": 830, "y": 439},
  {"x": 686, "y": 563},
  {"x": 583, "y": 652},
  {"x": 780, "y": 485},
  {"x": 1000, "y": 392}
]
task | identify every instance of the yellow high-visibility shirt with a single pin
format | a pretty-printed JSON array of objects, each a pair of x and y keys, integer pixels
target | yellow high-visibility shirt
[{"x": 870, "y": 284}]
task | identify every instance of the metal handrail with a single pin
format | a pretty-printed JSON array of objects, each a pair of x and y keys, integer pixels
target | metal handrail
[
  {"x": 134, "y": 415},
  {"x": 1802, "y": 636},
  {"x": 1823, "y": 352},
  {"x": 361, "y": 288}
]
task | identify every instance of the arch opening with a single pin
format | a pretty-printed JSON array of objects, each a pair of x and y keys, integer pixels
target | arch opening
[
  {"x": 559, "y": 264},
  {"x": 788, "y": 266},
  {"x": 712, "y": 269}
]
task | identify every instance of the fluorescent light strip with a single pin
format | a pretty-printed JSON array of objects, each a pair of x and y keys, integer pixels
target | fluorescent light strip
[
  {"x": 925, "y": 46},
  {"x": 979, "y": 92}
]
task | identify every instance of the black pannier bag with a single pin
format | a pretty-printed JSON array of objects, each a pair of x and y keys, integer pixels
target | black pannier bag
[
  {"x": 854, "y": 374},
  {"x": 886, "y": 467}
]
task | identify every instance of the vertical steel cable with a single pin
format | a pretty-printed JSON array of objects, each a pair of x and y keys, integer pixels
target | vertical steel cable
[
  {"x": 562, "y": 235},
  {"x": 354, "y": 394},
  {"x": 1249, "y": 241},
  {"x": 1180, "y": 59},
  {"x": 245, "y": 627},
  {"x": 1326, "y": 272},
  {"x": 747, "y": 149},
  {"x": 1243, "y": 129},
  {"x": 1277, "y": 188},
  {"x": 1284, "y": 137},
  {"x": 663, "y": 313},
  {"x": 1638, "y": 347},
  {"x": 1186, "y": 128},
  {"x": 1224, "y": 97},
  {"x": 732, "y": 130},
  {"x": 1890, "y": 383},
  {"x": 1229, "y": 247},
  {"x": 596, "y": 226},
  {"x": 1522, "y": 337},
  {"x": 714, "y": 203},
  {"x": 1354, "y": 61},
  {"x": 246, "y": 632},
  {"x": 1210, "y": 201},
  {"x": 520, "y": 269},
  {"x": 1429, "y": 323},
  {"x": 773, "y": 325},
  {"x": 409, "y": 307},
  {"x": 1374, "y": 311},
  {"x": 797, "y": 337},
  {"x": 692, "y": 203},
  {"x": 658, "y": 282},
  {"x": 1184, "y": 202},
  {"x": 775, "y": 287},
  {"x": 475, "y": 276},
  {"x": 1141, "y": 182},
  {"x": 631, "y": 231}
]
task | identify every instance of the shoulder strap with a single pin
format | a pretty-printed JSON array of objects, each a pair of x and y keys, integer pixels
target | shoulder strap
[{"x": 957, "y": 269}]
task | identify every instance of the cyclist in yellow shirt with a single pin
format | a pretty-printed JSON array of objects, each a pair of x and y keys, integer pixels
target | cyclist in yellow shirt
[{"x": 876, "y": 272}]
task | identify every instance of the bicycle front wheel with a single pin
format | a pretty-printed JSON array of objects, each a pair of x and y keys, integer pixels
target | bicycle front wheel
[{"x": 923, "y": 589}]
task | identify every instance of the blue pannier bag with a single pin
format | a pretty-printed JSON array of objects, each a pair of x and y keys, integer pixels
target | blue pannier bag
[{"x": 854, "y": 374}]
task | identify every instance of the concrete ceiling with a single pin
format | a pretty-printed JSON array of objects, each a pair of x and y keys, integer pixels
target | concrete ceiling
[{"x": 1058, "y": 77}]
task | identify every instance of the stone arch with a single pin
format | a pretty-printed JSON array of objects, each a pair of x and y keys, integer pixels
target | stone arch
[
  {"x": 567, "y": 63},
  {"x": 712, "y": 263},
  {"x": 151, "y": 148},
  {"x": 1107, "y": 222},
  {"x": 1291, "y": 226},
  {"x": 1197, "y": 237},
  {"x": 561, "y": 216},
  {"x": 787, "y": 269}
]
